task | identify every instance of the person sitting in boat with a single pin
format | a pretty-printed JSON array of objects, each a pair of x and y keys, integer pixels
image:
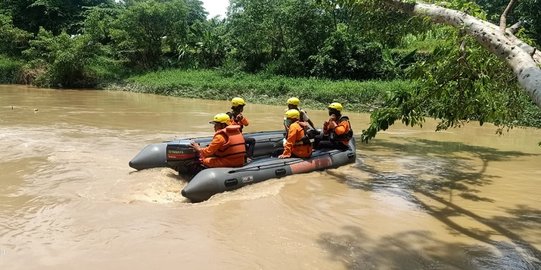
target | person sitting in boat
[
  {"x": 227, "y": 148},
  {"x": 236, "y": 116},
  {"x": 297, "y": 144},
  {"x": 293, "y": 104},
  {"x": 337, "y": 129}
]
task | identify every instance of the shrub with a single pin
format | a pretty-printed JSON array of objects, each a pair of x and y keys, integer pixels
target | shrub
[
  {"x": 9, "y": 70},
  {"x": 66, "y": 60}
]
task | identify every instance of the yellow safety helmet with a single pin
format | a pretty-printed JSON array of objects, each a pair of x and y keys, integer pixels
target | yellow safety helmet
[
  {"x": 237, "y": 102},
  {"x": 293, "y": 101},
  {"x": 335, "y": 105},
  {"x": 293, "y": 114},
  {"x": 220, "y": 118}
]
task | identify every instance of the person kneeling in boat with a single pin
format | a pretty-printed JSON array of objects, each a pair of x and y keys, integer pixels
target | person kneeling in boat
[
  {"x": 235, "y": 115},
  {"x": 227, "y": 148},
  {"x": 297, "y": 144},
  {"x": 336, "y": 130},
  {"x": 293, "y": 104}
]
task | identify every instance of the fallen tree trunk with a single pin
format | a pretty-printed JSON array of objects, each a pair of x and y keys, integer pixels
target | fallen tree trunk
[{"x": 522, "y": 58}]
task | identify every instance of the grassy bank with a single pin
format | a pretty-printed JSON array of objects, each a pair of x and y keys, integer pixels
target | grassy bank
[{"x": 209, "y": 84}]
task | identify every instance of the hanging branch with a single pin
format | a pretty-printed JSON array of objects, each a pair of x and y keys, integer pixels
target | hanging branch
[{"x": 522, "y": 58}]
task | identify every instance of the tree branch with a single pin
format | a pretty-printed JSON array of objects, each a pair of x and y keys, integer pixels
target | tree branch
[
  {"x": 503, "y": 44},
  {"x": 514, "y": 28},
  {"x": 503, "y": 18}
]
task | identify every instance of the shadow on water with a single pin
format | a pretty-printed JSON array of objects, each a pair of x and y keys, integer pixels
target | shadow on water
[
  {"x": 440, "y": 162},
  {"x": 357, "y": 250},
  {"x": 429, "y": 168}
]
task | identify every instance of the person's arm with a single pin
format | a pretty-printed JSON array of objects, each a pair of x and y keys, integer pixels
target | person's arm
[
  {"x": 329, "y": 124},
  {"x": 342, "y": 128},
  {"x": 217, "y": 142},
  {"x": 291, "y": 138},
  {"x": 244, "y": 121}
]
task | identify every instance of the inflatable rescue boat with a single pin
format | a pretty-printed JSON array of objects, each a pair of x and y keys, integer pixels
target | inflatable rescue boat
[{"x": 262, "y": 163}]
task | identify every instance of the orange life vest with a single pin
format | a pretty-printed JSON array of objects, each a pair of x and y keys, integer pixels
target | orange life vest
[
  {"x": 299, "y": 147},
  {"x": 235, "y": 144},
  {"x": 233, "y": 121},
  {"x": 346, "y": 136}
]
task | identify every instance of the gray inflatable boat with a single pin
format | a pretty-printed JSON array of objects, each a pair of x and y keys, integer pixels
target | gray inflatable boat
[{"x": 262, "y": 163}]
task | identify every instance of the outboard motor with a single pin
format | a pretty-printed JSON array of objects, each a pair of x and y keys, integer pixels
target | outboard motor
[{"x": 182, "y": 157}]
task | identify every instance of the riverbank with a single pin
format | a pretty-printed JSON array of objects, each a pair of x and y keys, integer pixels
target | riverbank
[
  {"x": 356, "y": 96},
  {"x": 263, "y": 89}
]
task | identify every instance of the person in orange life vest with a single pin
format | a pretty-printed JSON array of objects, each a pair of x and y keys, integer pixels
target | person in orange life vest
[
  {"x": 237, "y": 106},
  {"x": 293, "y": 103},
  {"x": 337, "y": 127},
  {"x": 296, "y": 144},
  {"x": 227, "y": 148}
]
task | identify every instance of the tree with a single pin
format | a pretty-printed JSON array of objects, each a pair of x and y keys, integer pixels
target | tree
[
  {"x": 499, "y": 40},
  {"x": 206, "y": 46},
  {"x": 256, "y": 32},
  {"x": 347, "y": 56},
  {"x": 310, "y": 37},
  {"x": 521, "y": 57},
  {"x": 99, "y": 21},
  {"x": 12, "y": 39},
  {"x": 527, "y": 13},
  {"x": 62, "y": 60},
  {"x": 52, "y": 15},
  {"x": 145, "y": 29}
]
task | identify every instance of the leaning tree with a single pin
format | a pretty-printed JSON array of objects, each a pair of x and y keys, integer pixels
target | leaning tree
[{"x": 500, "y": 40}]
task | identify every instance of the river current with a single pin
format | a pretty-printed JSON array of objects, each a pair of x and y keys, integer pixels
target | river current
[{"x": 464, "y": 198}]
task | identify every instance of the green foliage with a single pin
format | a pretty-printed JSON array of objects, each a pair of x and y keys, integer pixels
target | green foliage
[
  {"x": 301, "y": 30},
  {"x": 256, "y": 32},
  {"x": 527, "y": 11},
  {"x": 457, "y": 86},
  {"x": 401, "y": 105},
  {"x": 9, "y": 70},
  {"x": 464, "y": 85},
  {"x": 64, "y": 58},
  {"x": 206, "y": 47},
  {"x": 345, "y": 56},
  {"x": 104, "y": 70},
  {"x": 467, "y": 6},
  {"x": 278, "y": 38},
  {"x": 387, "y": 26},
  {"x": 262, "y": 88},
  {"x": 336, "y": 39},
  {"x": 99, "y": 22},
  {"x": 12, "y": 39},
  {"x": 53, "y": 15},
  {"x": 145, "y": 29}
]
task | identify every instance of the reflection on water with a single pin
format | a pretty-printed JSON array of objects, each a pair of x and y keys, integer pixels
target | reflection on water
[{"x": 461, "y": 199}]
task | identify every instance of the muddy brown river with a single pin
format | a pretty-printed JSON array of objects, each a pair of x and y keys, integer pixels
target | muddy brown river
[{"x": 415, "y": 199}]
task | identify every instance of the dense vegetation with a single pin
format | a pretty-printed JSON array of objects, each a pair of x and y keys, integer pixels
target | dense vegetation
[
  {"x": 264, "y": 89},
  {"x": 355, "y": 51}
]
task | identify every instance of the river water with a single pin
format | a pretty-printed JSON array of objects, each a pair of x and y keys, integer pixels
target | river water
[{"x": 416, "y": 199}]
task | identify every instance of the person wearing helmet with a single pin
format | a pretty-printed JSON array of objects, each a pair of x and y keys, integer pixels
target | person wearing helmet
[
  {"x": 237, "y": 106},
  {"x": 337, "y": 128},
  {"x": 293, "y": 103},
  {"x": 227, "y": 148},
  {"x": 297, "y": 144}
]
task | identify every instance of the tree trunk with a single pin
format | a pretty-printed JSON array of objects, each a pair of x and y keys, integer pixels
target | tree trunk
[{"x": 522, "y": 58}]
